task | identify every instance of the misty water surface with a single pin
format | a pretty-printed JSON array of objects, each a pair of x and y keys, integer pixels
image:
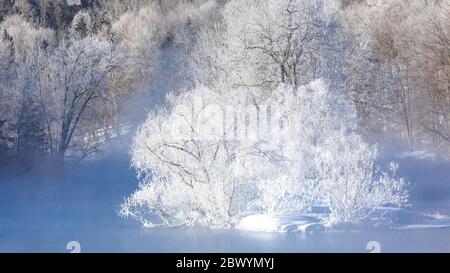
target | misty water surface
[{"x": 43, "y": 215}]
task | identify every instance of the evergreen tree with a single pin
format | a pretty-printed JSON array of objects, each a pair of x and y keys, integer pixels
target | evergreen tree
[
  {"x": 81, "y": 28},
  {"x": 31, "y": 137}
]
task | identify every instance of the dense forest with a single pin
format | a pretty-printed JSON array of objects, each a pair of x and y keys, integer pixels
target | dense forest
[{"x": 77, "y": 76}]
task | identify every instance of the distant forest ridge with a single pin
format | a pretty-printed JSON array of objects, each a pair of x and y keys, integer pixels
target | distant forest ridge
[{"x": 58, "y": 14}]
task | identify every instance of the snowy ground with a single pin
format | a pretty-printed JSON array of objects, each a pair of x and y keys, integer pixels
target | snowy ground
[{"x": 43, "y": 215}]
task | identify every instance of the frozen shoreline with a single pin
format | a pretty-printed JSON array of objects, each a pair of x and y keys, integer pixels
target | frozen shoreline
[{"x": 384, "y": 218}]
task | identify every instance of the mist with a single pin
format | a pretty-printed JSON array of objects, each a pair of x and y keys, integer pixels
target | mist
[{"x": 87, "y": 99}]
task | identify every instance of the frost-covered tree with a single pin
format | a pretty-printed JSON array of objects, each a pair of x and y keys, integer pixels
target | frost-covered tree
[
  {"x": 8, "y": 98},
  {"x": 202, "y": 162},
  {"x": 189, "y": 177},
  {"x": 22, "y": 49},
  {"x": 60, "y": 87},
  {"x": 77, "y": 77},
  {"x": 272, "y": 42},
  {"x": 119, "y": 7},
  {"x": 260, "y": 44},
  {"x": 27, "y": 38},
  {"x": 399, "y": 79},
  {"x": 328, "y": 163},
  {"x": 159, "y": 51},
  {"x": 142, "y": 43}
]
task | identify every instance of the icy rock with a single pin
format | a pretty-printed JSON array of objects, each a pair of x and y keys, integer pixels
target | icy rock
[
  {"x": 267, "y": 223},
  {"x": 312, "y": 228}
]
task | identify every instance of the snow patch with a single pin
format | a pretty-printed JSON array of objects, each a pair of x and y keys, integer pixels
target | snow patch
[{"x": 263, "y": 223}]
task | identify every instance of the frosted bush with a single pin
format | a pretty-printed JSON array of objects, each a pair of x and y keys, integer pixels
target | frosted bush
[
  {"x": 188, "y": 176},
  {"x": 196, "y": 168}
]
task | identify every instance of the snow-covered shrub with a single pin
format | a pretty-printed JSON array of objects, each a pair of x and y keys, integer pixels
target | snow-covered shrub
[
  {"x": 300, "y": 149},
  {"x": 188, "y": 176},
  {"x": 350, "y": 183},
  {"x": 330, "y": 163}
]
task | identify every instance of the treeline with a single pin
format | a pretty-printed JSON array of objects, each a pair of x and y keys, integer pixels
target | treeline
[
  {"x": 74, "y": 74},
  {"x": 400, "y": 80},
  {"x": 54, "y": 14},
  {"x": 67, "y": 89}
]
